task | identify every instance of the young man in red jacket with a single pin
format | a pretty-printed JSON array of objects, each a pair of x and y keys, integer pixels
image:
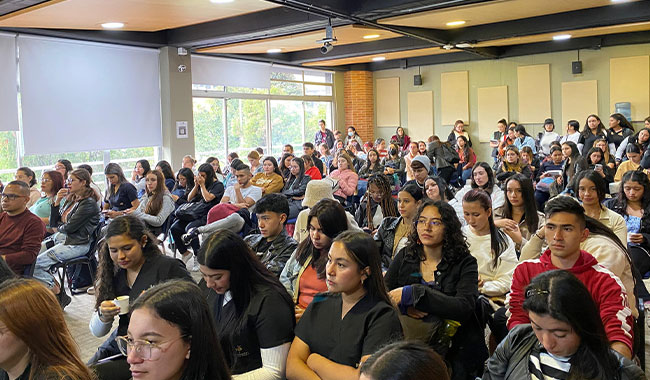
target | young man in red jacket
[{"x": 565, "y": 230}]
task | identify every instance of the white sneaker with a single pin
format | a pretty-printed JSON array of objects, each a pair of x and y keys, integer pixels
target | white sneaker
[
  {"x": 186, "y": 257},
  {"x": 195, "y": 266}
]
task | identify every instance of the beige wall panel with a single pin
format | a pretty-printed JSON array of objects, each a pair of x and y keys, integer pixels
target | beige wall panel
[
  {"x": 420, "y": 114},
  {"x": 454, "y": 97},
  {"x": 388, "y": 110},
  {"x": 630, "y": 82},
  {"x": 492, "y": 107},
  {"x": 579, "y": 99},
  {"x": 534, "y": 93}
]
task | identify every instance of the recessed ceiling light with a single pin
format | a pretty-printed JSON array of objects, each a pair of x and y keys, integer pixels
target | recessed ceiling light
[
  {"x": 370, "y": 36},
  {"x": 274, "y": 51},
  {"x": 377, "y": 59},
  {"x": 561, "y": 37},
  {"x": 221, "y": 1},
  {"x": 113, "y": 25},
  {"x": 456, "y": 23},
  {"x": 620, "y": 1}
]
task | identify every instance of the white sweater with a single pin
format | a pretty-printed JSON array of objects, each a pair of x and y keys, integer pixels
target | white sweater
[{"x": 496, "y": 281}]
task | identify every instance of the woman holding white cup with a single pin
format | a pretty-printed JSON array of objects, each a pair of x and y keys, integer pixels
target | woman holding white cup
[{"x": 130, "y": 262}]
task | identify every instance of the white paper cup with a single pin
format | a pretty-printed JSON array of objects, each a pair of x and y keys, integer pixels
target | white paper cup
[{"x": 123, "y": 303}]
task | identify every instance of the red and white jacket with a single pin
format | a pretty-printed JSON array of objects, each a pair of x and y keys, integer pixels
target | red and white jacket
[{"x": 606, "y": 289}]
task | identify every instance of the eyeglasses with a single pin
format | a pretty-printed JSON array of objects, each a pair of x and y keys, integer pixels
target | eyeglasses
[
  {"x": 45, "y": 180},
  {"x": 143, "y": 348},
  {"x": 11, "y": 197},
  {"x": 435, "y": 222}
]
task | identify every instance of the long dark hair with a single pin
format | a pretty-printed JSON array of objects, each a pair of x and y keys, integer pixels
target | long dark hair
[
  {"x": 465, "y": 148},
  {"x": 405, "y": 360},
  {"x": 294, "y": 181},
  {"x": 210, "y": 160},
  {"x": 332, "y": 219},
  {"x": 368, "y": 163},
  {"x": 29, "y": 173},
  {"x": 189, "y": 179},
  {"x": 182, "y": 304},
  {"x": 622, "y": 121},
  {"x": 88, "y": 192},
  {"x": 156, "y": 197},
  {"x": 490, "y": 183},
  {"x": 285, "y": 171},
  {"x": 635, "y": 138},
  {"x": 228, "y": 251},
  {"x": 145, "y": 166},
  {"x": 528, "y": 195},
  {"x": 166, "y": 169},
  {"x": 597, "y": 179},
  {"x": 600, "y": 129},
  {"x": 210, "y": 176},
  {"x": 454, "y": 244},
  {"x": 562, "y": 296},
  {"x": 273, "y": 161},
  {"x": 361, "y": 248},
  {"x": 498, "y": 241},
  {"x": 113, "y": 169},
  {"x": 522, "y": 130},
  {"x": 596, "y": 149},
  {"x": 619, "y": 204},
  {"x": 387, "y": 204},
  {"x": 135, "y": 229}
]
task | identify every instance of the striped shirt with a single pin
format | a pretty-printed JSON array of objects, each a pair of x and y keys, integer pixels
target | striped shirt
[{"x": 545, "y": 366}]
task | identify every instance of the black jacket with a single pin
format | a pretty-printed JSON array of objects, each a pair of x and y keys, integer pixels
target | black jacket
[
  {"x": 511, "y": 359},
  {"x": 295, "y": 187},
  {"x": 82, "y": 221},
  {"x": 275, "y": 255},
  {"x": 365, "y": 172},
  {"x": 385, "y": 238},
  {"x": 502, "y": 175}
]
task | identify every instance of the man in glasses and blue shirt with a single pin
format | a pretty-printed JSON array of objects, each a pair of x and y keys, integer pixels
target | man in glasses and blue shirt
[{"x": 21, "y": 232}]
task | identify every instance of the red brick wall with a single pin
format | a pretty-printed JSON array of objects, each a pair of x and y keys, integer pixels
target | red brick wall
[{"x": 359, "y": 103}]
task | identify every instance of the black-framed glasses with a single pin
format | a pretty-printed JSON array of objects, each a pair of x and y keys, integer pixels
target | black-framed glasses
[
  {"x": 144, "y": 349},
  {"x": 11, "y": 197},
  {"x": 434, "y": 222}
]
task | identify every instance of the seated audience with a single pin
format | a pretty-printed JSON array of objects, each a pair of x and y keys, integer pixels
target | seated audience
[
  {"x": 574, "y": 163},
  {"x": 206, "y": 193},
  {"x": 408, "y": 157},
  {"x": 499, "y": 136},
  {"x": 404, "y": 361},
  {"x": 288, "y": 148},
  {"x": 166, "y": 169},
  {"x": 394, "y": 164},
  {"x": 94, "y": 186},
  {"x": 25, "y": 174},
  {"x": 566, "y": 338},
  {"x": 173, "y": 335},
  {"x": 591, "y": 190},
  {"x": 130, "y": 262},
  {"x": 156, "y": 204},
  {"x": 459, "y": 130},
  {"x": 217, "y": 168},
  {"x": 189, "y": 162},
  {"x": 183, "y": 186},
  {"x": 376, "y": 205},
  {"x": 75, "y": 222},
  {"x": 231, "y": 179},
  {"x": 551, "y": 169},
  {"x": 295, "y": 186},
  {"x": 435, "y": 188},
  {"x": 633, "y": 162},
  {"x": 273, "y": 246},
  {"x": 607, "y": 157},
  {"x": 372, "y": 165},
  {"x": 380, "y": 146},
  {"x": 356, "y": 307},
  {"x": 121, "y": 195},
  {"x": 528, "y": 158},
  {"x": 347, "y": 178},
  {"x": 51, "y": 183},
  {"x": 310, "y": 169},
  {"x": 270, "y": 179},
  {"x": 435, "y": 279},
  {"x": 420, "y": 165},
  {"x": 285, "y": 165},
  {"x": 64, "y": 167},
  {"x": 393, "y": 232},
  {"x": 493, "y": 249},
  {"x": 565, "y": 230},
  {"x": 401, "y": 139},
  {"x": 572, "y": 132},
  {"x": 252, "y": 311},
  {"x": 512, "y": 165},
  {"x": 304, "y": 274},
  {"x": 482, "y": 178},
  {"x": 21, "y": 232},
  {"x": 518, "y": 217},
  {"x": 441, "y": 154},
  {"x": 140, "y": 171},
  {"x": 308, "y": 150},
  {"x": 506, "y": 141},
  {"x": 597, "y": 163},
  {"x": 422, "y": 148},
  {"x": 547, "y": 137},
  {"x": 522, "y": 139},
  {"x": 619, "y": 129},
  {"x": 641, "y": 138},
  {"x": 36, "y": 342},
  {"x": 316, "y": 191},
  {"x": 254, "y": 160},
  {"x": 325, "y": 156},
  {"x": 467, "y": 159}
]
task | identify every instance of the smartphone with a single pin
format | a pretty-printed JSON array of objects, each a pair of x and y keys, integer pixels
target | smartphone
[{"x": 598, "y": 167}]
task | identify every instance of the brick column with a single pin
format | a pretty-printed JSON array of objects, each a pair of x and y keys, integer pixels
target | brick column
[{"x": 359, "y": 103}]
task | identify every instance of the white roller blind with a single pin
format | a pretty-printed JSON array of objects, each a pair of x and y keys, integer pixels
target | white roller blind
[
  {"x": 230, "y": 72},
  {"x": 79, "y": 96},
  {"x": 8, "y": 85}
]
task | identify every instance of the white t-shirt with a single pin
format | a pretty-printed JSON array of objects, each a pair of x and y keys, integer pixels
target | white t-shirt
[
  {"x": 252, "y": 192},
  {"x": 496, "y": 281}
]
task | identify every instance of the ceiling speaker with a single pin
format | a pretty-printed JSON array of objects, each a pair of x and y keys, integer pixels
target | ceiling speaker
[
  {"x": 417, "y": 80},
  {"x": 576, "y": 67}
]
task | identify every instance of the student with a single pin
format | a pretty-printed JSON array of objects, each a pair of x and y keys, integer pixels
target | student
[
  {"x": 352, "y": 136},
  {"x": 36, "y": 342},
  {"x": 572, "y": 132},
  {"x": 376, "y": 205},
  {"x": 508, "y": 140},
  {"x": 548, "y": 136},
  {"x": 156, "y": 204},
  {"x": 173, "y": 335},
  {"x": 482, "y": 178},
  {"x": 120, "y": 195},
  {"x": 51, "y": 183},
  {"x": 642, "y": 138},
  {"x": 400, "y": 138},
  {"x": 273, "y": 246},
  {"x": 498, "y": 137},
  {"x": 548, "y": 172},
  {"x": 435, "y": 276},
  {"x": 392, "y": 234},
  {"x": 565, "y": 230},
  {"x": 607, "y": 157},
  {"x": 518, "y": 217},
  {"x": 310, "y": 169},
  {"x": 189, "y": 162},
  {"x": 590, "y": 190},
  {"x": 308, "y": 149},
  {"x": 166, "y": 169},
  {"x": 347, "y": 178},
  {"x": 230, "y": 178},
  {"x": 380, "y": 145},
  {"x": 619, "y": 129},
  {"x": 183, "y": 186},
  {"x": 372, "y": 165},
  {"x": 254, "y": 161},
  {"x": 421, "y": 166},
  {"x": 528, "y": 158},
  {"x": 439, "y": 153},
  {"x": 21, "y": 232},
  {"x": 345, "y": 326},
  {"x": 304, "y": 274},
  {"x": 573, "y": 164},
  {"x": 394, "y": 164},
  {"x": 252, "y": 311},
  {"x": 593, "y": 130},
  {"x": 130, "y": 262},
  {"x": 27, "y": 175},
  {"x": 295, "y": 186},
  {"x": 140, "y": 171},
  {"x": 422, "y": 148},
  {"x": 565, "y": 339},
  {"x": 404, "y": 361},
  {"x": 270, "y": 179},
  {"x": 493, "y": 249},
  {"x": 64, "y": 167},
  {"x": 435, "y": 188},
  {"x": 325, "y": 156},
  {"x": 217, "y": 168},
  {"x": 93, "y": 185},
  {"x": 459, "y": 130},
  {"x": 75, "y": 222},
  {"x": 323, "y": 135},
  {"x": 411, "y": 152},
  {"x": 522, "y": 139},
  {"x": 633, "y": 153},
  {"x": 285, "y": 165},
  {"x": 467, "y": 159}
]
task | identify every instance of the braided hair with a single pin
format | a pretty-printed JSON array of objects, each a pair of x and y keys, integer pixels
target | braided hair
[{"x": 387, "y": 204}]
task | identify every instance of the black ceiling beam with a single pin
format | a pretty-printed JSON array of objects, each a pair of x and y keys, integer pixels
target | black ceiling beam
[
  {"x": 142, "y": 39},
  {"x": 435, "y": 59},
  {"x": 11, "y": 6}
]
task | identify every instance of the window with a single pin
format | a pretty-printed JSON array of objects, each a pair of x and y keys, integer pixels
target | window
[
  {"x": 8, "y": 156},
  {"x": 246, "y": 126},
  {"x": 286, "y": 125},
  {"x": 209, "y": 133},
  {"x": 314, "y": 112}
]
